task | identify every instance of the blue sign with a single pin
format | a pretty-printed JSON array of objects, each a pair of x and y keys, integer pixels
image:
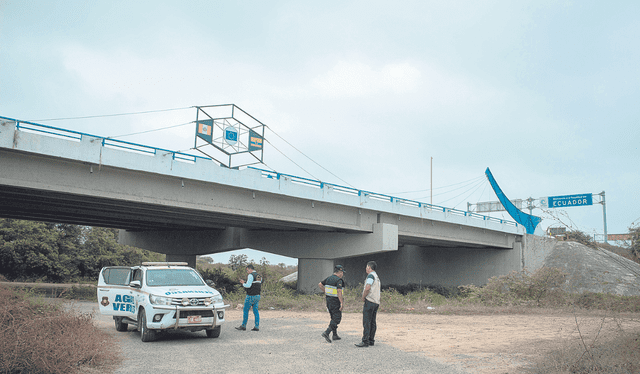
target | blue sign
[
  {"x": 570, "y": 200},
  {"x": 231, "y": 135}
]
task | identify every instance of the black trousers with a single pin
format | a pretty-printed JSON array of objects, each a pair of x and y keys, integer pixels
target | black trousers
[
  {"x": 333, "y": 304},
  {"x": 369, "y": 313}
]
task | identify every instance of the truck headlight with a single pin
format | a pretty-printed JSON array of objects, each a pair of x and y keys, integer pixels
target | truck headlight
[
  {"x": 159, "y": 300},
  {"x": 217, "y": 299}
]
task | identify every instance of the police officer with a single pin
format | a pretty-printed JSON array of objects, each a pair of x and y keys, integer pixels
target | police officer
[
  {"x": 253, "y": 286},
  {"x": 332, "y": 288}
]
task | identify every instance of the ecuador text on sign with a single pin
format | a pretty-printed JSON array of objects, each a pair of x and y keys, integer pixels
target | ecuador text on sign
[{"x": 569, "y": 200}]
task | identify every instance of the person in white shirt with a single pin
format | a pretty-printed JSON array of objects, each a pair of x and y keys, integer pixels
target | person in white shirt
[{"x": 371, "y": 299}]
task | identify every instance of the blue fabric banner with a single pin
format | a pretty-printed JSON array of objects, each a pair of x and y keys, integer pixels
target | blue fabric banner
[{"x": 527, "y": 220}]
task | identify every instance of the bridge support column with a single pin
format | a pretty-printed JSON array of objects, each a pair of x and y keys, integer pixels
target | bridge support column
[
  {"x": 190, "y": 259},
  {"x": 311, "y": 271}
]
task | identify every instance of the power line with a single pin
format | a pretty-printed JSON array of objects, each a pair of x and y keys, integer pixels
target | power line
[
  {"x": 110, "y": 115},
  {"x": 472, "y": 192},
  {"x": 438, "y": 188},
  {"x": 164, "y": 128},
  {"x": 292, "y": 146},
  {"x": 475, "y": 187},
  {"x": 473, "y": 182},
  {"x": 152, "y": 130},
  {"x": 274, "y": 147},
  {"x": 482, "y": 194}
]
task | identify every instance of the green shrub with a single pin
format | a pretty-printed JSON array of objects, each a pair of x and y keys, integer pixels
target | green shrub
[{"x": 221, "y": 279}]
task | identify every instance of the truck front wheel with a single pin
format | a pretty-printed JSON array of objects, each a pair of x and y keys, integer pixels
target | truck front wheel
[
  {"x": 214, "y": 332},
  {"x": 146, "y": 334}
]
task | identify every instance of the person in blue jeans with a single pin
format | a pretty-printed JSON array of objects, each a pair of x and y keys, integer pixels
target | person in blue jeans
[{"x": 253, "y": 286}]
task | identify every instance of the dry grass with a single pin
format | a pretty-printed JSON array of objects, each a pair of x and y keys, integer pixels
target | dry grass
[
  {"x": 538, "y": 293},
  {"x": 38, "y": 337},
  {"x": 617, "y": 353}
]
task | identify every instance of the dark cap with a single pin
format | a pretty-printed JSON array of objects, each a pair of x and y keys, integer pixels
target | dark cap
[{"x": 339, "y": 268}]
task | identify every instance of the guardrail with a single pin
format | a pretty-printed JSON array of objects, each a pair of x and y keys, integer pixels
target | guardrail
[
  {"x": 181, "y": 156},
  {"x": 378, "y": 196},
  {"x": 106, "y": 142}
]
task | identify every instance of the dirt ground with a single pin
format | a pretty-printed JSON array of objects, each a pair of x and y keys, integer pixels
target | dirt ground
[{"x": 491, "y": 344}]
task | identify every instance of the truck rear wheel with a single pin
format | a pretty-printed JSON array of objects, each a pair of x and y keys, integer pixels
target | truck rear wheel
[
  {"x": 120, "y": 326},
  {"x": 146, "y": 335},
  {"x": 214, "y": 332}
]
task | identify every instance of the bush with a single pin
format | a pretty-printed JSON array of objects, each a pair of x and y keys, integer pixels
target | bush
[
  {"x": 80, "y": 293},
  {"x": 518, "y": 288},
  {"x": 609, "y": 302},
  {"x": 38, "y": 337},
  {"x": 406, "y": 289},
  {"x": 580, "y": 237},
  {"x": 617, "y": 354},
  {"x": 222, "y": 281}
]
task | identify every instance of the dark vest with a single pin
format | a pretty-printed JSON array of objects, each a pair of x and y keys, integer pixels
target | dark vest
[{"x": 256, "y": 285}]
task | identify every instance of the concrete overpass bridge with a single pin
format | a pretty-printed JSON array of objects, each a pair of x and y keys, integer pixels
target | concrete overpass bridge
[{"x": 184, "y": 205}]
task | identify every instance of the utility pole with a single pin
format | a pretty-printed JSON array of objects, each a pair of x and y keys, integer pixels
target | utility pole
[
  {"x": 530, "y": 205},
  {"x": 431, "y": 187},
  {"x": 604, "y": 216}
]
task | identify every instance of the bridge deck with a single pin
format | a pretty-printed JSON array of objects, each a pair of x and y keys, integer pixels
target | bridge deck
[{"x": 57, "y": 175}]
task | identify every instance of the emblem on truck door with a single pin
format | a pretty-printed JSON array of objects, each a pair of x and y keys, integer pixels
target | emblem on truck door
[{"x": 105, "y": 301}]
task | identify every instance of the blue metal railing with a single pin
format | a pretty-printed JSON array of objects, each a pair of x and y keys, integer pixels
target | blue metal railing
[
  {"x": 106, "y": 142},
  {"x": 121, "y": 144},
  {"x": 378, "y": 196}
]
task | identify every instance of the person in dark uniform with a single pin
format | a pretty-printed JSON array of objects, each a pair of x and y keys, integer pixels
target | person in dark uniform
[
  {"x": 253, "y": 286},
  {"x": 332, "y": 288}
]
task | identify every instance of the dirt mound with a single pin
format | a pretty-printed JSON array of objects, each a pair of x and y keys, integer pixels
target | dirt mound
[{"x": 595, "y": 269}]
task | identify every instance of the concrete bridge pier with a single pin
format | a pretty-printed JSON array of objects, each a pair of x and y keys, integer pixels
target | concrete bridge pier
[
  {"x": 311, "y": 271},
  {"x": 317, "y": 252},
  {"x": 189, "y": 259}
]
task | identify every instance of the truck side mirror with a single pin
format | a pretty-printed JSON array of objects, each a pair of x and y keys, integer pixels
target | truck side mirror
[
  {"x": 135, "y": 284},
  {"x": 210, "y": 283}
]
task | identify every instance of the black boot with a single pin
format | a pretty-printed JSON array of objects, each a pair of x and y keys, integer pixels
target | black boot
[{"x": 325, "y": 335}]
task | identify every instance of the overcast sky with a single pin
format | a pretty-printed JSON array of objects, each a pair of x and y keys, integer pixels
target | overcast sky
[{"x": 544, "y": 93}]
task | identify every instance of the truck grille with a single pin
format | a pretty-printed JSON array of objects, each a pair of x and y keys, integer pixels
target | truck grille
[
  {"x": 201, "y": 313},
  {"x": 193, "y": 301}
]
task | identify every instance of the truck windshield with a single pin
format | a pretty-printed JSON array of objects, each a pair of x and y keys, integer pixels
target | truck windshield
[{"x": 173, "y": 277}]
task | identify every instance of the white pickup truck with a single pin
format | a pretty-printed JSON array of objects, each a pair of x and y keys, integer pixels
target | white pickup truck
[{"x": 160, "y": 296}]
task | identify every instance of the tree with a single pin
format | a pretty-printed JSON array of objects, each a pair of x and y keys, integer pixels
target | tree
[
  {"x": 30, "y": 250},
  {"x": 61, "y": 252},
  {"x": 580, "y": 237},
  {"x": 238, "y": 261}
]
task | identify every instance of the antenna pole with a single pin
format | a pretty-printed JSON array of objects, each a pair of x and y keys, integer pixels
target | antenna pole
[{"x": 431, "y": 187}]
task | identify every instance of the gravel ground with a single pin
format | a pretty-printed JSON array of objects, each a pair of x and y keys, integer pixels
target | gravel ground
[{"x": 281, "y": 346}]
